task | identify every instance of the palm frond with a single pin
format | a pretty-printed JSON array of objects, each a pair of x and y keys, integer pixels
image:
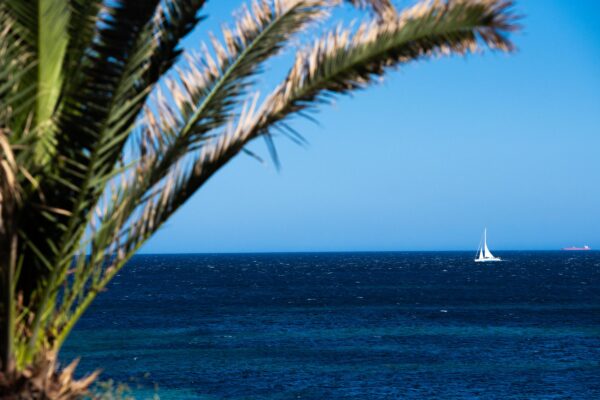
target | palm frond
[
  {"x": 151, "y": 53},
  {"x": 82, "y": 28},
  {"x": 343, "y": 61},
  {"x": 25, "y": 19},
  {"x": 205, "y": 97},
  {"x": 18, "y": 66},
  {"x": 207, "y": 101},
  {"x": 41, "y": 28},
  {"x": 85, "y": 108},
  {"x": 16, "y": 93},
  {"x": 15, "y": 61},
  {"x": 383, "y": 8},
  {"x": 90, "y": 93},
  {"x": 203, "y": 104},
  {"x": 154, "y": 51},
  {"x": 338, "y": 63},
  {"x": 172, "y": 22},
  {"x": 52, "y": 40}
]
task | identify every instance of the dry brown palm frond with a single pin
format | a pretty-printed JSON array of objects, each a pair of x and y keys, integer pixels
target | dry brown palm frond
[
  {"x": 16, "y": 61},
  {"x": 44, "y": 380},
  {"x": 9, "y": 185}
]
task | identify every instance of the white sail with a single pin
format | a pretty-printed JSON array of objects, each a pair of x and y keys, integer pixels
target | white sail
[{"x": 484, "y": 253}]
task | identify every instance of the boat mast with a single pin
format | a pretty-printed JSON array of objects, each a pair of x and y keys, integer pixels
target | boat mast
[{"x": 485, "y": 238}]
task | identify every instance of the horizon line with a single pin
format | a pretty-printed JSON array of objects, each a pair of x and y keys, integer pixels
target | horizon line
[{"x": 348, "y": 251}]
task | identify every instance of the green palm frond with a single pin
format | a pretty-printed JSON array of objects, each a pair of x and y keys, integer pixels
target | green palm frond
[
  {"x": 56, "y": 213},
  {"x": 52, "y": 42},
  {"x": 82, "y": 27},
  {"x": 148, "y": 55},
  {"x": 41, "y": 27},
  {"x": 94, "y": 93},
  {"x": 81, "y": 128}
]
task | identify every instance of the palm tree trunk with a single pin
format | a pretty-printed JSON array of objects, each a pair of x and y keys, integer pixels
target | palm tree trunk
[{"x": 8, "y": 251}]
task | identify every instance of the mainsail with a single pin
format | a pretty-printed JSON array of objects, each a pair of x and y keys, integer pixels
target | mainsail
[{"x": 484, "y": 253}]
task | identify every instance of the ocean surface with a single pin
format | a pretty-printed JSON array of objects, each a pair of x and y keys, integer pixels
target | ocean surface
[{"x": 318, "y": 326}]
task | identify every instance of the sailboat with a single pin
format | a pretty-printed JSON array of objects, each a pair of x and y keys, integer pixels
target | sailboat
[{"x": 483, "y": 253}]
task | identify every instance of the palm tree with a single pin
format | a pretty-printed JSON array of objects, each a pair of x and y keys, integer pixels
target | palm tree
[{"x": 107, "y": 128}]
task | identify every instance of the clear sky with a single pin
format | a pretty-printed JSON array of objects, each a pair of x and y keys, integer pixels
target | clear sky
[{"x": 428, "y": 158}]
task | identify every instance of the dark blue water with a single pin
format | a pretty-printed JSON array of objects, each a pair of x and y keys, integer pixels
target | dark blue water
[{"x": 350, "y": 326}]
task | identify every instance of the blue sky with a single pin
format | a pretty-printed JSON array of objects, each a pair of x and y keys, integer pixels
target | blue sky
[{"x": 428, "y": 158}]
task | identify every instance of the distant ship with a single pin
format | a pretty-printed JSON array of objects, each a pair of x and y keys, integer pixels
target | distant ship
[
  {"x": 573, "y": 248},
  {"x": 483, "y": 253}
]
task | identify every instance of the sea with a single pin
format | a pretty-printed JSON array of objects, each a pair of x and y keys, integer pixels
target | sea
[{"x": 393, "y": 325}]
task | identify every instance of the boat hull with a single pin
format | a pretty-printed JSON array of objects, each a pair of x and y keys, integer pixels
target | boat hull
[{"x": 488, "y": 259}]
